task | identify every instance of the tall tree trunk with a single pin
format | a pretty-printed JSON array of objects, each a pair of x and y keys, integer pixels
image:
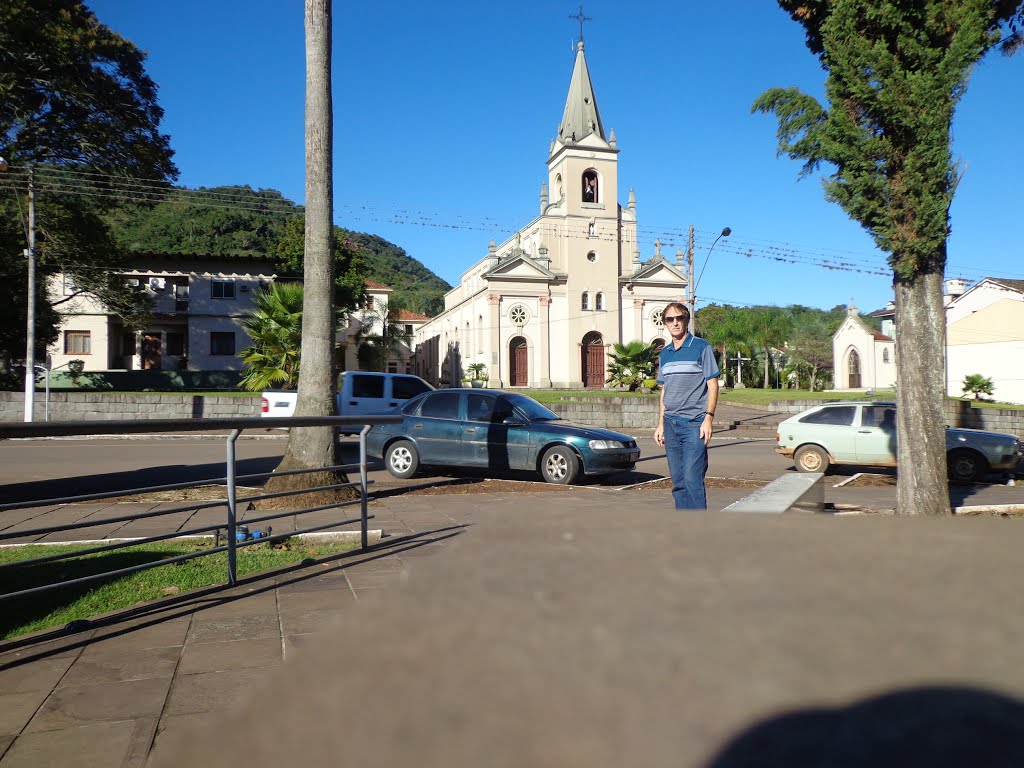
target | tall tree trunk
[
  {"x": 767, "y": 358},
  {"x": 314, "y": 447},
  {"x": 921, "y": 486}
]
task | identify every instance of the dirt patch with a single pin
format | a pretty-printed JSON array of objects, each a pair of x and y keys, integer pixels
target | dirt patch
[
  {"x": 462, "y": 487},
  {"x": 665, "y": 484},
  {"x": 199, "y": 493},
  {"x": 868, "y": 480}
]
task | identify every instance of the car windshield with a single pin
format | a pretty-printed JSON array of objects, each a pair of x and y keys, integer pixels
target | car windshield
[{"x": 529, "y": 407}]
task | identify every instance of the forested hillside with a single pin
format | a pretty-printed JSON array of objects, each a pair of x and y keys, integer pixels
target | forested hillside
[{"x": 241, "y": 220}]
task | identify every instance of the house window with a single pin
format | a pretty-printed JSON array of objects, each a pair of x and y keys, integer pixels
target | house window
[
  {"x": 885, "y": 355},
  {"x": 222, "y": 288},
  {"x": 592, "y": 257},
  {"x": 590, "y": 190},
  {"x": 408, "y": 329},
  {"x": 222, "y": 343},
  {"x": 77, "y": 342},
  {"x": 70, "y": 287},
  {"x": 599, "y": 302},
  {"x": 368, "y": 303},
  {"x": 175, "y": 343},
  {"x": 585, "y": 301}
]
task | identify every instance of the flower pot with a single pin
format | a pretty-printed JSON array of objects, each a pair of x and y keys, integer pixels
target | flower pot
[{"x": 477, "y": 383}]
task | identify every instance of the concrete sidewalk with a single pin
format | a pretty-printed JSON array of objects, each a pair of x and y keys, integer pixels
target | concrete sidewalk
[{"x": 556, "y": 628}]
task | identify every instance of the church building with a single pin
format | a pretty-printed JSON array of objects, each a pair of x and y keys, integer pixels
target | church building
[{"x": 543, "y": 308}]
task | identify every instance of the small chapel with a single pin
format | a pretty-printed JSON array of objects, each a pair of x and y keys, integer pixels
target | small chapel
[{"x": 543, "y": 308}]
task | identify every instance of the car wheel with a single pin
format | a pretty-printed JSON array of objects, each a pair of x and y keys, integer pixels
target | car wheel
[
  {"x": 966, "y": 466},
  {"x": 811, "y": 458},
  {"x": 402, "y": 459},
  {"x": 559, "y": 465}
]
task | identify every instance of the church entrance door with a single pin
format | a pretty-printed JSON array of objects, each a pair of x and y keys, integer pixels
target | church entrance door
[
  {"x": 519, "y": 372},
  {"x": 854, "y": 369},
  {"x": 592, "y": 360}
]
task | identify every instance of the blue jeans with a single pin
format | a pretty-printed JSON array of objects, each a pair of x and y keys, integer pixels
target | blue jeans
[{"x": 687, "y": 461}]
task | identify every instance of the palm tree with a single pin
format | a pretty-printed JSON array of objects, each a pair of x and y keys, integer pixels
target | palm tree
[
  {"x": 769, "y": 328},
  {"x": 977, "y": 385},
  {"x": 315, "y": 447},
  {"x": 275, "y": 327},
  {"x": 632, "y": 364},
  {"x": 382, "y": 335}
]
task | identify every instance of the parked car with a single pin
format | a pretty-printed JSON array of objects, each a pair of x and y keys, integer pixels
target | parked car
[
  {"x": 864, "y": 433},
  {"x": 495, "y": 430},
  {"x": 360, "y": 393}
]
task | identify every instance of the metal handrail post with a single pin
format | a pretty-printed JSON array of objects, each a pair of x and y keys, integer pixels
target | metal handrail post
[
  {"x": 362, "y": 485},
  {"x": 232, "y": 527}
]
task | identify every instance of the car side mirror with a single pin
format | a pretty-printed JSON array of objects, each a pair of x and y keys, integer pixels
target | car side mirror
[{"x": 513, "y": 421}]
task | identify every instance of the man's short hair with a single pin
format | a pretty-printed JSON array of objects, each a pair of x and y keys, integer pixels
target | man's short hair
[{"x": 678, "y": 305}]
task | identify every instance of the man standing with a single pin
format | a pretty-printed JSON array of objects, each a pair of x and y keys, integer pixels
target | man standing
[{"x": 688, "y": 376}]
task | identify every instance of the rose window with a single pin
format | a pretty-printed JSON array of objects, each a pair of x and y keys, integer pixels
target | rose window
[{"x": 518, "y": 314}]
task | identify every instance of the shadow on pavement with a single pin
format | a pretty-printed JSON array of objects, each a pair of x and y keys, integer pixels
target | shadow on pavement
[
  {"x": 937, "y": 727},
  {"x": 117, "y": 482}
]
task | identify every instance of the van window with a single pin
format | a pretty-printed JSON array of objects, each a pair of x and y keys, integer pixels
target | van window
[
  {"x": 404, "y": 387},
  {"x": 441, "y": 405},
  {"x": 367, "y": 386}
]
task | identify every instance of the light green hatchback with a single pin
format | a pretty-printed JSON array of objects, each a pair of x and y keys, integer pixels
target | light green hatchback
[{"x": 864, "y": 434}]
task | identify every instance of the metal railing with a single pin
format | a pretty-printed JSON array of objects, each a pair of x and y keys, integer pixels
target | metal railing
[{"x": 230, "y": 479}]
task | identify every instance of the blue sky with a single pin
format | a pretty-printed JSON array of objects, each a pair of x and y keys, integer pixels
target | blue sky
[{"x": 444, "y": 113}]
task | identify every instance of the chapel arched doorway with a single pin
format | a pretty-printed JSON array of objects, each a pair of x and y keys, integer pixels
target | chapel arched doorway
[
  {"x": 854, "y": 369},
  {"x": 592, "y": 360},
  {"x": 518, "y": 365}
]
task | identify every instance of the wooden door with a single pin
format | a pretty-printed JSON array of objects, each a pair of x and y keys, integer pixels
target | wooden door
[
  {"x": 592, "y": 360},
  {"x": 151, "y": 352},
  {"x": 854, "y": 369},
  {"x": 519, "y": 372}
]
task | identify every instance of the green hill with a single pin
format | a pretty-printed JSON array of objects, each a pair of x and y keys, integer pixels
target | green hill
[{"x": 239, "y": 220}]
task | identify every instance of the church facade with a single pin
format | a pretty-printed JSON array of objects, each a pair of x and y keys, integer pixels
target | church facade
[{"x": 544, "y": 308}]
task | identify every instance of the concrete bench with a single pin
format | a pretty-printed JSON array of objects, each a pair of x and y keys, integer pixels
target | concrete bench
[{"x": 796, "y": 492}]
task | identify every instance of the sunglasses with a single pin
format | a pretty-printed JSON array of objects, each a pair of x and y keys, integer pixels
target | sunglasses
[{"x": 673, "y": 318}]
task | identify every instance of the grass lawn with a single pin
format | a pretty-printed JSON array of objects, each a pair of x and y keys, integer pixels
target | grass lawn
[
  {"x": 751, "y": 396},
  {"x": 61, "y": 606}
]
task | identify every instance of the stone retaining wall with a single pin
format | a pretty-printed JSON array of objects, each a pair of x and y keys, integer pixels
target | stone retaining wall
[
  {"x": 101, "y": 406},
  {"x": 618, "y": 413}
]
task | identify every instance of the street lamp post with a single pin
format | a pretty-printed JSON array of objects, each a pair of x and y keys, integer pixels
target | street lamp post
[
  {"x": 30, "y": 313},
  {"x": 693, "y": 291}
]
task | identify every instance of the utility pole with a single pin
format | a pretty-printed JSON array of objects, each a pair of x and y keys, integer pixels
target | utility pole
[
  {"x": 30, "y": 322},
  {"x": 691, "y": 300}
]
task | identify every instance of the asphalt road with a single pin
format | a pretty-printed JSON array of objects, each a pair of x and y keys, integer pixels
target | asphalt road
[{"x": 37, "y": 469}]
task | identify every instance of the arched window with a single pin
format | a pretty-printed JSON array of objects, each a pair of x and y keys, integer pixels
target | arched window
[
  {"x": 885, "y": 355},
  {"x": 853, "y": 366},
  {"x": 592, "y": 229},
  {"x": 591, "y": 193},
  {"x": 599, "y": 302},
  {"x": 585, "y": 301}
]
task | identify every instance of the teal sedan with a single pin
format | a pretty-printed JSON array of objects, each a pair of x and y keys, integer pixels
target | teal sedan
[
  {"x": 864, "y": 434},
  {"x": 496, "y": 430}
]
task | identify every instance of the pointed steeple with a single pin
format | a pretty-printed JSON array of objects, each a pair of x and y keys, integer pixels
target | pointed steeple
[{"x": 581, "y": 117}]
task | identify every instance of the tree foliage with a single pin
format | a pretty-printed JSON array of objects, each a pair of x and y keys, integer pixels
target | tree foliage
[
  {"x": 977, "y": 385},
  {"x": 275, "y": 327},
  {"x": 895, "y": 73},
  {"x": 75, "y": 103},
  {"x": 381, "y": 335},
  {"x": 631, "y": 364},
  {"x": 73, "y": 92}
]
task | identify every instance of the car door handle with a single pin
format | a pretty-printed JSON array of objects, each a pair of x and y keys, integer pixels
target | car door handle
[
  {"x": 353, "y": 402},
  {"x": 417, "y": 426},
  {"x": 865, "y": 431},
  {"x": 393, "y": 405},
  {"x": 470, "y": 429}
]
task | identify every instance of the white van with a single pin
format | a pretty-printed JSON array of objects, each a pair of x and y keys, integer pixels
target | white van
[{"x": 360, "y": 393}]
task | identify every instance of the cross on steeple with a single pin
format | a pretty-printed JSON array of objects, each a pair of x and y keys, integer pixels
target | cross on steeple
[{"x": 581, "y": 18}]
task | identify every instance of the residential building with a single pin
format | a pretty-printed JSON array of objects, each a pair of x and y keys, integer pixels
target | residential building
[
  {"x": 543, "y": 308},
  {"x": 984, "y": 335},
  {"x": 366, "y": 322},
  {"x": 198, "y": 304}
]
